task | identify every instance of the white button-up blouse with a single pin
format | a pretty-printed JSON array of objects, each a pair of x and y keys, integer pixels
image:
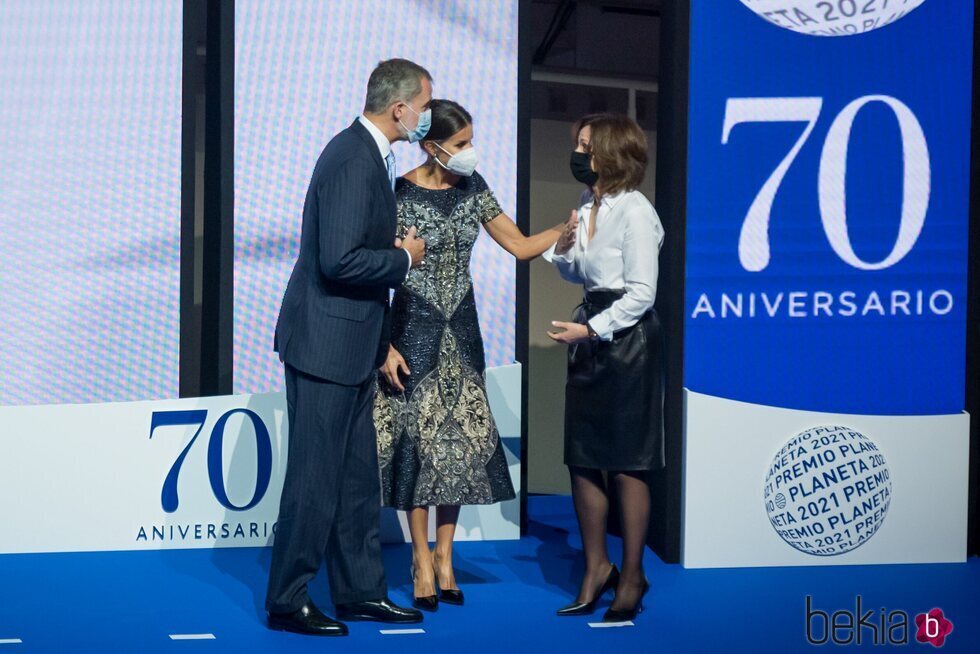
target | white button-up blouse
[{"x": 623, "y": 255}]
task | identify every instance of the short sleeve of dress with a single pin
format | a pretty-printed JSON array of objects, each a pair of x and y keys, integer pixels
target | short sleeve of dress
[{"x": 487, "y": 207}]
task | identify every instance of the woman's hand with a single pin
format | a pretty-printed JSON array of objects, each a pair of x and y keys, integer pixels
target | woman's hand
[
  {"x": 567, "y": 238},
  {"x": 394, "y": 364},
  {"x": 573, "y": 332}
]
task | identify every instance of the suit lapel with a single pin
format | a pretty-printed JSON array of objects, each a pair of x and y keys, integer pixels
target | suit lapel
[
  {"x": 372, "y": 147},
  {"x": 365, "y": 135}
]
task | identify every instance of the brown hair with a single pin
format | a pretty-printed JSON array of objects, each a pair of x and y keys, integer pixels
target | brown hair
[
  {"x": 619, "y": 153},
  {"x": 582, "y": 123}
]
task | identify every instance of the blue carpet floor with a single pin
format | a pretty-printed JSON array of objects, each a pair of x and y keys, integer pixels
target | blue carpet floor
[{"x": 134, "y": 601}]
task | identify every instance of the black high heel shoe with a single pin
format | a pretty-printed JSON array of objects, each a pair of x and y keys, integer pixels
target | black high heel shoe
[
  {"x": 452, "y": 596},
  {"x": 427, "y": 603},
  {"x": 587, "y": 608},
  {"x": 627, "y": 615}
]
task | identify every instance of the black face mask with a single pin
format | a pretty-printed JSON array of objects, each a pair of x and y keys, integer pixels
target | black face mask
[{"x": 581, "y": 166}]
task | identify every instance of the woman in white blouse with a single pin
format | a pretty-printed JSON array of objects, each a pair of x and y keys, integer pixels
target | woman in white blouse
[{"x": 614, "y": 390}]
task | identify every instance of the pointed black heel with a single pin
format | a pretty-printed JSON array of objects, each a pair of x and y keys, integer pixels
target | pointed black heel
[
  {"x": 452, "y": 596},
  {"x": 587, "y": 608},
  {"x": 429, "y": 602},
  {"x": 627, "y": 615}
]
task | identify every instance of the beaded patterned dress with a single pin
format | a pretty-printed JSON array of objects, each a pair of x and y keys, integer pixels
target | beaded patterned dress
[{"x": 437, "y": 442}]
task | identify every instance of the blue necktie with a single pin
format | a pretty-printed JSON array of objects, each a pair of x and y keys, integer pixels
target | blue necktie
[{"x": 390, "y": 161}]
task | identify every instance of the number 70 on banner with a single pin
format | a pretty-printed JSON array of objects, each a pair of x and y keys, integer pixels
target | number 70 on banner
[{"x": 753, "y": 242}]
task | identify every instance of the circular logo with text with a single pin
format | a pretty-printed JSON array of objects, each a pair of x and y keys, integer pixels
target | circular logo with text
[
  {"x": 828, "y": 490},
  {"x": 832, "y": 17}
]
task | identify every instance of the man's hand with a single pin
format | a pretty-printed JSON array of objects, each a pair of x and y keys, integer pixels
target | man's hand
[
  {"x": 573, "y": 332},
  {"x": 393, "y": 365},
  {"x": 414, "y": 245},
  {"x": 567, "y": 238}
]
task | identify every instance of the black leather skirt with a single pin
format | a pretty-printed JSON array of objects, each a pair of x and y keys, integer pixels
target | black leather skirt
[{"x": 614, "y": 394}]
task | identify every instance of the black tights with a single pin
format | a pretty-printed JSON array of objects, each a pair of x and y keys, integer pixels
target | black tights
[{"x": 592, "y": 508}]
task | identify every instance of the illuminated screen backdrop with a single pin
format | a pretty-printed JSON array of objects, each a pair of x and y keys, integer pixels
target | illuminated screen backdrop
[{"x": 90, "y": 127}]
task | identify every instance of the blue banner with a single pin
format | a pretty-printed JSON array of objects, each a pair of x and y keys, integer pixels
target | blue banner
[{"x": 828, "y": 203}]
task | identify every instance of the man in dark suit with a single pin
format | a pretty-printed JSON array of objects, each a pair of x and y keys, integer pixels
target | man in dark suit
[{"x": 332, "y": 336}]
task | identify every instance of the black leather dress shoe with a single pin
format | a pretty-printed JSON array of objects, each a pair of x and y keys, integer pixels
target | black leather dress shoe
[
  {"x": 382, "y": 610},
  {"x": 307, "y": 620}
]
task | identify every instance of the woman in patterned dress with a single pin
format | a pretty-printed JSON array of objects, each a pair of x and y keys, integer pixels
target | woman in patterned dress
[{"x": 437, "y": 441}]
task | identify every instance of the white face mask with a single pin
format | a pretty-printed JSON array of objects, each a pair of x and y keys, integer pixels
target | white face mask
[{"x": 462, "y": 163}]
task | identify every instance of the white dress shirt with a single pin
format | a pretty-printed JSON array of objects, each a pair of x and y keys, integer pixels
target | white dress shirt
[
  {"x": 623, "y": 255},
  {"x": 384, "y": 146}
]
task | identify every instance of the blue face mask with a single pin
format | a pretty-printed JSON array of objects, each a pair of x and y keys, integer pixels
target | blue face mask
[{"x": 421, "y": 128}]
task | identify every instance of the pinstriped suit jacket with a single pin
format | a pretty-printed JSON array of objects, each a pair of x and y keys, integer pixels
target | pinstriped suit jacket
[{"x": 333, "y": 323}]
